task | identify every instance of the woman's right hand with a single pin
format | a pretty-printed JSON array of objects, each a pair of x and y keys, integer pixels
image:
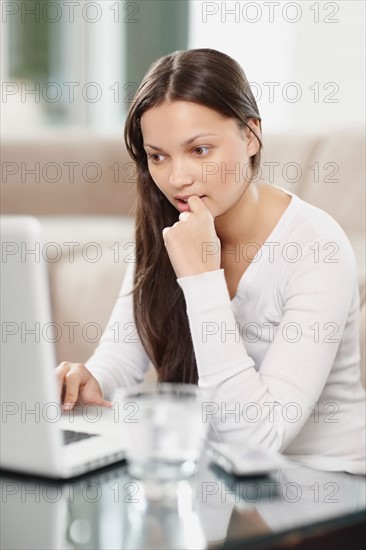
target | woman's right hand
[{"x": 77, "y": 385}]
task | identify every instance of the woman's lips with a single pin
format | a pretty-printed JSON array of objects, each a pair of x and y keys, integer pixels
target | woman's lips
[{"x": 184, "y": 206}]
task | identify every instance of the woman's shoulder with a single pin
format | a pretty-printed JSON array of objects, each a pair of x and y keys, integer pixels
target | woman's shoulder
[
  {"x": 317, "y": 240},
  {"x": 309, "y": 223}
]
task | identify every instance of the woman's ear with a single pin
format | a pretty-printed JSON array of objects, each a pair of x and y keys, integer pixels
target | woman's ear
[{"x": 253, "y": 144}]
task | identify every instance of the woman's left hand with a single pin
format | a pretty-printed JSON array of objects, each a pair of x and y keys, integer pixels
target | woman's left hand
[{"x": 192, "y": 243}]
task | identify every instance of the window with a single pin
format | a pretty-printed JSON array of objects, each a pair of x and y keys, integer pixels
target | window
[{"x": 71, "y": 64}]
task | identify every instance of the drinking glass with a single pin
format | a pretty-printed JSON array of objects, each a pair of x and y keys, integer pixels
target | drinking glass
[{"x": 163, "y": 429}]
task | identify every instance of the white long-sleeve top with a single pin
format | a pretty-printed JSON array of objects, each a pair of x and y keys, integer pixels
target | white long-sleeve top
[{"x": 282, "y": 356}]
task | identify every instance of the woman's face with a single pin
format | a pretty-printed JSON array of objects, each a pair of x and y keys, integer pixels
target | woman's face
[{"x": 194, "y": 150}]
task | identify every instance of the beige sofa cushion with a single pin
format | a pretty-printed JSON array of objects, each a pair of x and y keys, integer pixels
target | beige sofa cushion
[
  {"x": 326, "y": 170},
  {"x": 85, "y": 284},
  {"x": 66, "y": 174}
]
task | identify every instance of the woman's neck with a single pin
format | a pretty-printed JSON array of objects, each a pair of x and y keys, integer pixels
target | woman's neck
[
  {"x": 251, "y": 221},
  {"x": 242, "y": 222}
]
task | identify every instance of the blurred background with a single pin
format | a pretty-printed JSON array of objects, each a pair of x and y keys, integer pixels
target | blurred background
[
  {"x": 76, "y": 65},
  {"x": 69, "y": 73}
]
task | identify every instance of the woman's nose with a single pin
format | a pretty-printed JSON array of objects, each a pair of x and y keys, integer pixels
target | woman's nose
[{"x": 180, "y": 175}]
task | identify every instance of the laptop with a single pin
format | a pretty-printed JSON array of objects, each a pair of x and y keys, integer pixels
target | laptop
[{"x": 36, "y": 436}]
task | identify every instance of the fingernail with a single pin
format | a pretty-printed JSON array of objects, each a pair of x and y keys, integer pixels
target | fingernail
[{"x": 67, "y": 406}]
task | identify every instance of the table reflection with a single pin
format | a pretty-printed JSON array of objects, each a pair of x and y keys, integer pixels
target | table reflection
[{"x": 108, "y": 509}]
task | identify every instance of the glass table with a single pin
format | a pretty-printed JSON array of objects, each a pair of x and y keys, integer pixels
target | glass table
[{"x": 107, "y": 509}]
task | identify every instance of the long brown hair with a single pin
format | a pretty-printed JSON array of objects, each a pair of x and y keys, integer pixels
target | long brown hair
[{"x": 213, "y": 79}]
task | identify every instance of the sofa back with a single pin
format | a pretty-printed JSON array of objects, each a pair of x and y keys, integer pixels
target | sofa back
[{"x": 65, "y": 175}]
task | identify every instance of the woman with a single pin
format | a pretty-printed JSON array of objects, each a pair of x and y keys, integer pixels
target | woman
[{"x": 238, "y": 285}]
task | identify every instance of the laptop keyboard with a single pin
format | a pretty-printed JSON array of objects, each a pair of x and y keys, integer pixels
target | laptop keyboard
[{"x": 72, "y": 437}]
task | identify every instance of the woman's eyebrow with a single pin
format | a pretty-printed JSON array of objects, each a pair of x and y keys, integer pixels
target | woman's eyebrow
[
  {"x": 190, "y": 140},
  {"x": 187, "y": 142}
]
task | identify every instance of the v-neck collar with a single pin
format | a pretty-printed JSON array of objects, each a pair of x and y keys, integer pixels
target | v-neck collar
[{"x": 277, "y": 228}]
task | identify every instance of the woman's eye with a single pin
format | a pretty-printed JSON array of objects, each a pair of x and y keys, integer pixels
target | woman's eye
[
  {"x": 201, "y": 151},
  {"x": 155, "y": 157}
]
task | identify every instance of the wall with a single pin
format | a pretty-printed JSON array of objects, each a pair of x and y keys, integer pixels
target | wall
[{"x": 318, "y": 46}]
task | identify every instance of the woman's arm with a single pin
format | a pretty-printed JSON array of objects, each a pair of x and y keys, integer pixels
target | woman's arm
[{"x": 291, "y": 371}]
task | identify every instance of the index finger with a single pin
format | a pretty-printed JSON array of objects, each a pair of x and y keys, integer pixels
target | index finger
[
  {"x": 196, "y": 204},
  {"x": 61, "y": 372},
  {"x": 73, "y": 381},
  {"x": 69, "y": 379}
]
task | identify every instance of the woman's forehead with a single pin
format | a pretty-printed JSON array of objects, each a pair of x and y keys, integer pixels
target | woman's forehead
[{"x": 182, "y": 116}]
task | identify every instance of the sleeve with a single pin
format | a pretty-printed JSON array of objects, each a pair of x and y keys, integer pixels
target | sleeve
[
  {"x": 120, "y": 358},
  {"x": 249, "y": 400}
]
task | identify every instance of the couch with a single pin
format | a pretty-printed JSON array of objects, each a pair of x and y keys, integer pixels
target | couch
[{"x": 82, "y": 189}]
